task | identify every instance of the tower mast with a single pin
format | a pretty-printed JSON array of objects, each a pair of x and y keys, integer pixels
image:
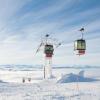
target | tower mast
[{"x": 48, "y": 45}]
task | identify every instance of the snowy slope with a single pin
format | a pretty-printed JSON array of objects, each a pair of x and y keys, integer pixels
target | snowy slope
[
  {"x": 12, "y": 88},
  {"x": 49, "y": 91}
]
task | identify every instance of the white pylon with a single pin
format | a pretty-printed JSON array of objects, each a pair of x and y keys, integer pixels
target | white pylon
[
  {"x": 48, "y": 68},
  {"x": 49, "y": 45}
]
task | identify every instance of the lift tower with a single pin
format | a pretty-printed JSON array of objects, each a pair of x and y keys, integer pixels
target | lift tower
[{"x": 49, "y": 44}]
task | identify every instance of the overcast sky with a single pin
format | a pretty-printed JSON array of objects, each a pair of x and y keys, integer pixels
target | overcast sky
[{"x": 24, "y": 22}]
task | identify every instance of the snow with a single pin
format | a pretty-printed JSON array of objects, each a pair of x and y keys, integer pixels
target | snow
[
  {"x": 75, "y": 78},
  {"x": 12, "y": 88}
]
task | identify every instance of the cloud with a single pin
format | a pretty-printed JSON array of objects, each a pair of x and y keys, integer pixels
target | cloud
[{"x": 24, "y": 23}]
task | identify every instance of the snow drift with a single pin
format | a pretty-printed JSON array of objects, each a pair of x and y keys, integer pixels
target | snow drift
[
  {"x": 2, "y": 81},
  {"x": 67, "y": 78}
]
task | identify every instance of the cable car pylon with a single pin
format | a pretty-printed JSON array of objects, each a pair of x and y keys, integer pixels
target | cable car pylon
[{"x": 48, "y": 45}]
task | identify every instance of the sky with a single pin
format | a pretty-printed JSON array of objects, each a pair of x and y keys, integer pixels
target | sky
[{"x": 24, "y": 22}]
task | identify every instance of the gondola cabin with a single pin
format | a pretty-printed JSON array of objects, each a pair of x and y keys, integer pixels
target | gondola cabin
[
  {"x": 80, "y": 46},
  {"x": 48, "y": 50}
]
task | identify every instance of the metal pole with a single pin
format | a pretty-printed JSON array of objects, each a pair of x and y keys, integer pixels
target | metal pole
[
  {"x": 44, "y": 72},
  {"x": 82, "y": 35}
]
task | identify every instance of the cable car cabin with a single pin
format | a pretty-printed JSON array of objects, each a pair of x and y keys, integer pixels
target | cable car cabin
[
  {"x": 49, "y": 50},
  {"x": 80, "y": 46}
]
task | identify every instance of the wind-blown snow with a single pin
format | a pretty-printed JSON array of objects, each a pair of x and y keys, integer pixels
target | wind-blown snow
[{"x": 75, "y": 78}]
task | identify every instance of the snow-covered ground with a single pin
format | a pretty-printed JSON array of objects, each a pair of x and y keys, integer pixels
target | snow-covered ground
[{"x": 12, "y": 88}]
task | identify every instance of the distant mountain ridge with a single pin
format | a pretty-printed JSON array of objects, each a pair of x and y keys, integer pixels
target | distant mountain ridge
[{"x": 31, "y": 67}]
